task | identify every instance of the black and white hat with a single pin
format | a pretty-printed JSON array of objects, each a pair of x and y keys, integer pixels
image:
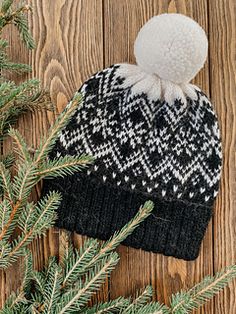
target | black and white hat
[{"x": 154, "y": 136}]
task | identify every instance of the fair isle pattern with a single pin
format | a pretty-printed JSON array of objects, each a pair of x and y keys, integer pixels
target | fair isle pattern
[{"x": 144, "y": 144}]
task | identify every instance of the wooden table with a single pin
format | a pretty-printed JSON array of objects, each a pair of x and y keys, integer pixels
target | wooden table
[{"x": 76, "y": 38}]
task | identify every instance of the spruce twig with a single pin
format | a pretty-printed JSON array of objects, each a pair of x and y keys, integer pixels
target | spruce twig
[
  {"x": 141, "y": 300},
  {"x": 90, "y": 256},
  {"x": 187, "y": 301},
  {"x": 79, "y": 298},
  {"x": 114, "y": 306},
  {"x": 31, "y": 169},
  {"x": 62, "y": 288},
  {"x": 43, "y": 291},
  {"x": 47, "y": 144},
  {"x": 121, "y": 235},
  {"x": 17, "y": 17}
]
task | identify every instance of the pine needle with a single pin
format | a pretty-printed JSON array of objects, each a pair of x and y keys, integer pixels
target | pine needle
[
  {"x": 27, "y": 272},
  {"x": 115, "y": 306},
  {"x": 52, "y": 289},
  {"x": 75, "y": 299},
  {"x": 21, "y": 148},
  {"x": 63, "y": 166},
  {"x": 75, "y": 262},
  {"x": 186, "y": 302},
  {"x": 6, "y": 182},
  {"x": 140, "y": 300},
  {"x": 46, "y": 145},
  {"x": 121, "y": 235}
]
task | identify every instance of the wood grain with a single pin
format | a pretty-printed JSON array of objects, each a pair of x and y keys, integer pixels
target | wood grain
[
  {"x": 222, "y": 44},
  {"x": 76, "y": 38}
]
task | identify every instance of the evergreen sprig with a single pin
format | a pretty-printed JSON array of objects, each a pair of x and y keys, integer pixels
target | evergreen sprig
[
  {"x": 17, "y": 212},
  {"x": 6, "y": 64},
  {"x": 16, "y": 99},
  {"x": 187, "y": 301},
  {"x": 46, "y": 292},
  {"x": 16, "y": 15},
  {"x": 67, "y": 287}
]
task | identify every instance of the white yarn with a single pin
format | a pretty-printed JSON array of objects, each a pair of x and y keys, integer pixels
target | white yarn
[
  {"x": 172, "y": 46},
  {"x": 155, "y": 88}
]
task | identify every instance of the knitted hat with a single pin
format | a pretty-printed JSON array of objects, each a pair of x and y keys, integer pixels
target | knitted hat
[{"x": 153, "y": 136}]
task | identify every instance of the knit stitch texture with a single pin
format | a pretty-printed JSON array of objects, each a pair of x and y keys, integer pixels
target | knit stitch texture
[{"x": 144, "y": 148}]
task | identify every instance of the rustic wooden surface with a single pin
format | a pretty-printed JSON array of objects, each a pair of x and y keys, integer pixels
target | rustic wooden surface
[{"x": 76, "y": 38}]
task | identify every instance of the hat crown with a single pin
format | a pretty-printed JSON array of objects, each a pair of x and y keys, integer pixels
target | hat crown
[{"x": 144, "y": 144}]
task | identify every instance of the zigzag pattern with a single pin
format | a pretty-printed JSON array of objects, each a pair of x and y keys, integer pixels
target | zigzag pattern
[{"x": 145, "y": 144}]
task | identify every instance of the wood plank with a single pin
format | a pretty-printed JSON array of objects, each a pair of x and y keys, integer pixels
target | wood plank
[
  {"x": 222, "y": 25},
  {"x": 77, "y": 38},
  {"x": 122, "y": 20}
]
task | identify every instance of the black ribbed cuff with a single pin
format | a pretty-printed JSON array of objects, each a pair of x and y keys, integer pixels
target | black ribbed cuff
[{"x": 174, "y": 228}]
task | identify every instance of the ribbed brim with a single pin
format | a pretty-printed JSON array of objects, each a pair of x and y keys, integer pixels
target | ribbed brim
[{"x": 174, "y": 228}]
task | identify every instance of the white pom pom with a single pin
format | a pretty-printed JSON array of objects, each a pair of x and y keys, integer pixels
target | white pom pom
[{"x": 173, "y": 46}]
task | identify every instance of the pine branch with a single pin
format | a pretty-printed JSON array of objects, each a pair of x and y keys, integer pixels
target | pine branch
[
  {"x": 21, "y": 23},
  {"x": 26, "y": 217},
  {"x": 7, "y": 65},
  {"x": 75, "y": 262},
  {"x": 46, "y": 145},
  {"x": 6, "y": 182},
  {"x": 5, "y": 213},
  {"x": 75, "y": 299},
  {"x": 39, "y": 281},
  {"x": 17, "y": 99},
  {"x": 184, "y": 302},
  {"x": 140, "y": 300},
  {"x": 15, "y": 304},
  {"x": 27, "y": 273},
  {"x": 152, "y": 308},
  {"x": 17, "y": 212},
  {"x": 63, "y": 166},
  {"x": 22, "y": 186},
  {"x": 121, "y": 235},
  {"x": 12, "y": 94},
  {"x": 33, "y": 216},
  {"x": 32, "y": 219},
  {"x": 6, "y": 4},
  {"x": 23, "y": 182},
  {"x": 8, "y": 227},
  {"x": 32, "y": 223},
  {"x": 7, "y": 160},
  {"x": 52, "y": 289},
  {"x": 47, "y": 294},
  {"x": 21, "y": 148},
  {"x": 115, "y": 306},
  {"x": 17, "y": 17},
  {"x": 5, "y": 250}
]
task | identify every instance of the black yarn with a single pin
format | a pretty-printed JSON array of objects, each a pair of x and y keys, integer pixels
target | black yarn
[{"x": 144, "y": 149}]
